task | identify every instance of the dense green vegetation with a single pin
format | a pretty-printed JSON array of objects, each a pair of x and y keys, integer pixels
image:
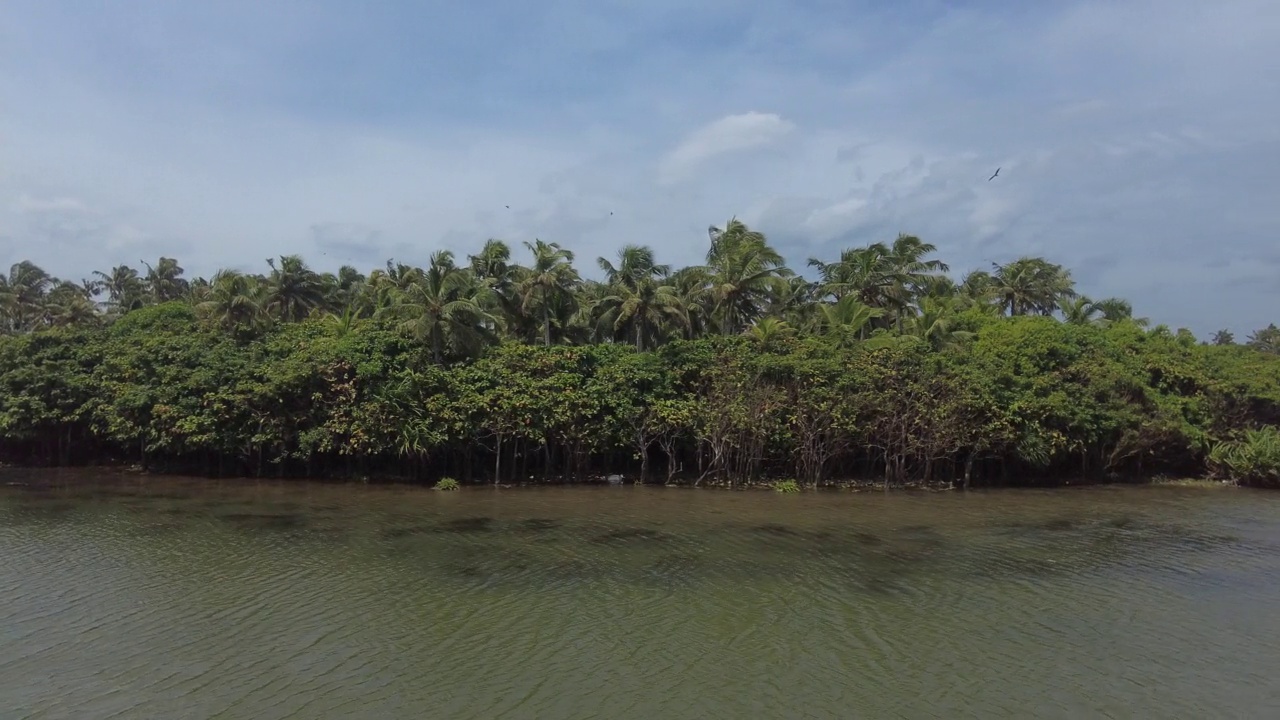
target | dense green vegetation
[{"x": 880, "y": 367}]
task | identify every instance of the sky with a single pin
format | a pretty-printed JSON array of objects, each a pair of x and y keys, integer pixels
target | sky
[{"x": 1137, "y": 139}]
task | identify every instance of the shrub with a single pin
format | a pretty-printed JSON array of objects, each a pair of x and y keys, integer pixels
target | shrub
[
  {"x": 1252, "y": 460},
  {"x": 447, "y": 484},
  {"x": 786, "y": 486}
]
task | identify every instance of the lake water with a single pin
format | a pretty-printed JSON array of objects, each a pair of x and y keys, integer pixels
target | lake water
[{"x": 163, "y": 598}]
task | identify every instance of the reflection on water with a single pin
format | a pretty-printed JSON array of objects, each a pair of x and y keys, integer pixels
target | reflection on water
[{"x": 172, "y": 598}]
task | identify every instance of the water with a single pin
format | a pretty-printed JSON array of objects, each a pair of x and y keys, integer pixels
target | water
[{"x": 153, "y": 598}]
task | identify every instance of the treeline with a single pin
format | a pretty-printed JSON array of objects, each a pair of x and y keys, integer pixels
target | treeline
[{"x": 883, "y": 368}]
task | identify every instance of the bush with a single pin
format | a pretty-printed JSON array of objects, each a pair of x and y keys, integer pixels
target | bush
[
  {"x": 1252, "y": 460},
  {"x": 786, "y": 486},
  {"x": 447, "y": 484}
]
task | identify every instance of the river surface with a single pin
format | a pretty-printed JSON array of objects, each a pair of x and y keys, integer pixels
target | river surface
[{"x": 126, "y": 597}]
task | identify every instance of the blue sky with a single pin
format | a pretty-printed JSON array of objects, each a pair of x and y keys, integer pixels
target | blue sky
[{"x": 1138, "y": 138}]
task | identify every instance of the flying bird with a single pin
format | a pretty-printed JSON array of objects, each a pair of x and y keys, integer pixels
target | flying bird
[{"x": 993, "y": 175}]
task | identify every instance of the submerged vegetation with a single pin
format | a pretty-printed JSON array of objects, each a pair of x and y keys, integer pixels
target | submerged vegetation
[
  {"x": 786, "y": 487},
  {"x": 881, "y": 367}
]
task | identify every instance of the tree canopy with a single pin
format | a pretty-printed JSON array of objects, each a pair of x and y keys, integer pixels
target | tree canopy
[{"x": 881, "y": 366}]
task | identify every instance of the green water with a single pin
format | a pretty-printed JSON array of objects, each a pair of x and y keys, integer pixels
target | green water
[{"x": 165, "y": 598}]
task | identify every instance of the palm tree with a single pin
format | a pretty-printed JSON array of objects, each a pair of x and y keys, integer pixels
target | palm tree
[
  {"x": 796, "y": 301},
  {"x": 22, "y": 296},
  {"x": 125, "y": 289},
  {"x": 935, "y": 323},
  {"x": 770, "y": 330},
  {"x": 743, "y": 272},
  {"x": 1031, "y": 285},
  {"x": 343, "y": 323},
  {"x": 847, "y": 319},
  {"x": 348, "y": 284},
  {"x": 1079, "y": 310},
  {"x": 1223, "y": 337},
  {"x": 1267, "y": 339},
  {"x": 636, "y": 264},
  {"x": 1082, "y": 310},
  {"x": 890, "y": 277},
  {"x": 1118, "y": 310},
  {"x": 978, "y": 288},
  {"x": 692, "y": 300},
  {"x": 636, "y": 303},
  {"x": 234, "y": 301},
  {"x": 293, "y": 289},
  {"x": 164, "y": 281},
  {"x": 550, "y": 282},
  {"x": 71, "y": 304},
  {"x": 493, "y": 266},
  {"x": 442, "y": 306},
  {"x": 642, "y": 312},
  {"x": 860, "y": 271},
  {"x": 913, "y": 272}
]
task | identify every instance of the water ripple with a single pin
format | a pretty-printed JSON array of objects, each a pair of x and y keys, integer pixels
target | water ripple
[{"x": 163, "y": 598}]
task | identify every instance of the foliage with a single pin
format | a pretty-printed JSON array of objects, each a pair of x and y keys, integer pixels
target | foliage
[
  {"x": 447, "y": 483},
  {"x": 1253, "y": 459},
  {"x": 786, "y": 486},
  {"x": 883, "y": 368}
]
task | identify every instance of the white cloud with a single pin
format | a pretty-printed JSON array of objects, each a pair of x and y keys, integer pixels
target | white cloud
[{"x": 729, "y": 134}]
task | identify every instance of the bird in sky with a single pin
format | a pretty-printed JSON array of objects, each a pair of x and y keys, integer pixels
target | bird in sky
[{"x": 993, "y": 175}]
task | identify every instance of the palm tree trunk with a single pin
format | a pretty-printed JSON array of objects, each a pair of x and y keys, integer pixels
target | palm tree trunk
[
  {"x": 639, "y": 336},
  {"x": 546, "y": 322}
]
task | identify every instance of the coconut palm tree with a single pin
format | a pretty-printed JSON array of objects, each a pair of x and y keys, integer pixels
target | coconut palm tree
[
  {"x": 770, "y": 330},
  {"x": 864, "y": 272},
  {"x": 636, "y": 304},
  {"x": 912, "y": 271},
  {"x": 642, "y": 312},
  {"x": 293, "y": 290},
  {"x": 493, "y": 266},
  {"x": 549, "y": 283},
  {"x": 935, "y": 322},
  {"x": 1118, "y": 310},
  {"x": 22, "y": 296},
  {"x": 344, "y": 322},
  {"x": 1267, "y": 339},
  {"x": 442, "y": 307},
  {"x": 743, "y": 271},
  {"x": 636, "y": 264},
  {"x": 890, "y": 277},
  {"x": 795, "y": 301},
  {"x": 164, "y": 281},
  {"x": 1031, "y": 286},
  {"x": 847, "y": 320},
  {"x": 124, "y": 287},
  {"x": 70, "y": 304},
  {"x": 692, "y": 301},
  {"x": 1079, "y": 310},
  {"x": 234, "y": 301}
]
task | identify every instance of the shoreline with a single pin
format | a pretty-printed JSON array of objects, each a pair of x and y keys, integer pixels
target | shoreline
[{"x": 98, "y": 474}]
